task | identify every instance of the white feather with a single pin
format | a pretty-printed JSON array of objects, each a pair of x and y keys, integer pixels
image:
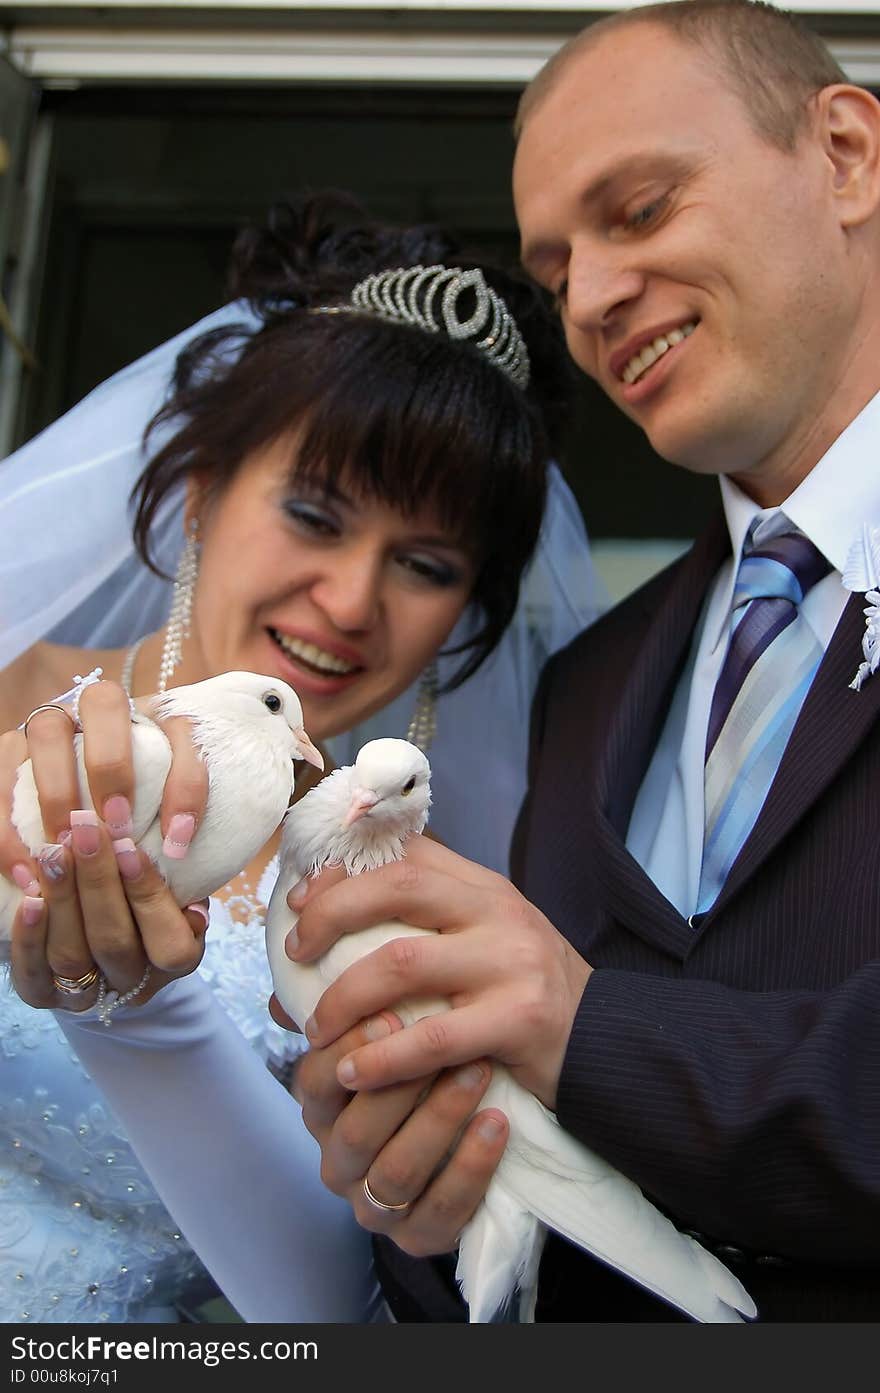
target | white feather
[
  {"x": 546, "y": 1178},
  {"x": 249, "y": 752}
]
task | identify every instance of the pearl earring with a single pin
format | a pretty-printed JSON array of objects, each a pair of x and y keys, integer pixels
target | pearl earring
[
  {"x": 178, "y": 626},
  {"x": 423, "y": 726}
]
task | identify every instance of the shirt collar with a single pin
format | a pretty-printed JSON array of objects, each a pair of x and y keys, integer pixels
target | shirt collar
[{"x": 830, "y": 506}]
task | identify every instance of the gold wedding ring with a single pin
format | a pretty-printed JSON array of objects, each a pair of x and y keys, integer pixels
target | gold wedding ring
[
  {"x": 74, "y": 986},
  {"x": 381, "y": 1205},
  {"x": 49, "y": 706}
]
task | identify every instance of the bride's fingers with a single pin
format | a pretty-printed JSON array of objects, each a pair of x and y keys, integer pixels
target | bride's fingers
[
  {"x": 186, "y": 789},
  {"x": 67, "y": 949},
  {"x": 173, "y": 938},
  {"x": 31, "y": 972},
  {"x": 30, "y": 969},
  {"x": 50, "y": 748},
  {"x": 13, "y": 852},
  {"x": 105, "y": 715},
  {"x": 113, "y": 937}
]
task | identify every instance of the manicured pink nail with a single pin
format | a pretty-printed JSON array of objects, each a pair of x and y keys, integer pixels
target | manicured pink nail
[
  {"x": 199, "y": 909},
  {"x": 117, "y": 815},
  {"x": 52, "y": 862},
  {"x": 32, "y": 909},
  {"x": 65, "y": 838},
  {"x": 179, "y": 835},
  {"x": 84, "y": 830},
  {"x": 25, "y": 879},
  {"x": 127, "y": 858}
]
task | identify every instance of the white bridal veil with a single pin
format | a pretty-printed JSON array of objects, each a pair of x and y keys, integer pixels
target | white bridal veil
[{"x": 69, "y": 572}]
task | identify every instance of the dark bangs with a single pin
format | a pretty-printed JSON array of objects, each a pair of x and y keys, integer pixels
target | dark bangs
[{"x": 384, "y": 411}]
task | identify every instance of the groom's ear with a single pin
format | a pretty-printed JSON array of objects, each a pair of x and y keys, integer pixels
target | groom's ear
[{"x": 848, "y": 120}]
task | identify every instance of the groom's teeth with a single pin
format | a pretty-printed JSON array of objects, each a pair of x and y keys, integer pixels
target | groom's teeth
[
  {"x": 314, "y": 656},
  {"x": 650, "y": 352}
]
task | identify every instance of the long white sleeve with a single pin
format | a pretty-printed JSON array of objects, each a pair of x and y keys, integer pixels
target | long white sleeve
[{"x": 226, "y": 1148}]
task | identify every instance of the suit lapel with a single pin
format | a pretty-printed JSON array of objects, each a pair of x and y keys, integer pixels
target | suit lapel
[
  {"x": 646, "y": 692},
  {"x": 832, "y": 723}
]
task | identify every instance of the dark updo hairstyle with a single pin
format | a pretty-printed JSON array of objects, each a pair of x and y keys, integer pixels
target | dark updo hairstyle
[{"x": 402, "y": 416}]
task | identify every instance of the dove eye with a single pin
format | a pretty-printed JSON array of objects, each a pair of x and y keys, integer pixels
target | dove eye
[
  {"x": 273, "y": 701},
  {"x": 409, "y": 786}
]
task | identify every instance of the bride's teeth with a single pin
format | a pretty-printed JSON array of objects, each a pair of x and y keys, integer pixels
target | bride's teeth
[
  {"x": 646, "y": 358},
  {"x": 314, "y": 656}
]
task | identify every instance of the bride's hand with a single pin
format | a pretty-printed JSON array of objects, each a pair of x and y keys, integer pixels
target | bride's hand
[
  {"x": 82, "y": 908},
  {"x": 104, "y": 913},
  {"x": 106, "y": 724}
]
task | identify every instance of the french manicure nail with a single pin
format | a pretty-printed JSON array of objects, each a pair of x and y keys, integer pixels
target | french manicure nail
[
  {"x": 117, "y": 815},
  {"x": 25, "y": 879},
  {"x": 51, "y": 860},
  {"x": 32, "y": 907},
  {"x": 84, "y": 831},
  {"x": 65, "y": 838},
  {"x": 127, "y": 858},
  {"x": 179, "y": 835}
]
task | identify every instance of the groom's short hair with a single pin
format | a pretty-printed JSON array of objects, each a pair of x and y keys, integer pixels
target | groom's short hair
[{"x": 769, "y": 57}]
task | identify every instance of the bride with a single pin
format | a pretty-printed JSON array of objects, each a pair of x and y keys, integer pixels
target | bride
[{"x": 350, "y": 499}]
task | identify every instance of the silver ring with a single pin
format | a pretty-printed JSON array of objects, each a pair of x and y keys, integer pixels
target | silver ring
[
  {"x": 49, "y": 706},
  {"x": 381, "y": 1205},
  {"x": 75, "y": 986}
]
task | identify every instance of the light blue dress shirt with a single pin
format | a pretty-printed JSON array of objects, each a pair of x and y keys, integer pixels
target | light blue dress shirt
[{"x": 830, "y": 507}]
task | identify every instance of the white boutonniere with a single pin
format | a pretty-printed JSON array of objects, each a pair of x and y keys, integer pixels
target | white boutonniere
[{"x": 861, "y": 574}]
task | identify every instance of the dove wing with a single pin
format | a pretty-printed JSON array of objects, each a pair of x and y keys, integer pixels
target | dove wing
[{"x": 579, "y": 1195}]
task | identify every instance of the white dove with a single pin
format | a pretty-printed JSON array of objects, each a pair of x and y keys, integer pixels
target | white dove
[
  {"x": 360, "y": 817},
  {"x": 248, "y": 729}
]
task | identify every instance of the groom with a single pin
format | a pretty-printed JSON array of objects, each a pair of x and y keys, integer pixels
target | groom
[{"x": 690, "y": 975}]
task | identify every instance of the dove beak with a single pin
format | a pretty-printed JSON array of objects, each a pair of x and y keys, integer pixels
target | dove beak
[
  {"x": 362, "y": 800},
  {"x": 306, "y": 750}
]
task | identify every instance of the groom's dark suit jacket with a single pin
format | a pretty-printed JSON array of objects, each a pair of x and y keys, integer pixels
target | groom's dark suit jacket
[{"x": 731, "y": 1067}]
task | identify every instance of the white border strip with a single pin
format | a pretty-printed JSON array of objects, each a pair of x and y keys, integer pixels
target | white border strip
[
  {"x": 537, "y": 7},
  {"x": 71, "y": 56}
]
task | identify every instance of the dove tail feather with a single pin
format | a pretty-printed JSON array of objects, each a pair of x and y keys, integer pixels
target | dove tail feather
[
  {"x": 497, "y": 1248},
  {"x": 573, "y": 1191}
]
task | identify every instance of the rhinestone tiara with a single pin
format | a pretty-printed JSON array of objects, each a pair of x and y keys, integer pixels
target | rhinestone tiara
[{"x": 409, "y": 295}]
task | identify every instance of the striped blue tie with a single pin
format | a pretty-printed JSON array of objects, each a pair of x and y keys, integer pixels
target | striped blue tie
[{"x": 771, "y": 659}]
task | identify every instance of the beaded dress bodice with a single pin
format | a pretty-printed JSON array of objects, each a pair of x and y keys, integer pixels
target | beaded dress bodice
[{"x": 83, "y": 1235}]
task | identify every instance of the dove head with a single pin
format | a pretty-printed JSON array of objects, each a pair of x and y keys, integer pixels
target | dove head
[
  {"x": 245, "y": 697},
  {"x": 390, "y": 787}
]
